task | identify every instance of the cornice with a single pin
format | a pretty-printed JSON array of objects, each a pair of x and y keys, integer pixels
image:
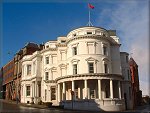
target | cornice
[
  {"x": 49, "y": 81},
  {"x": 98, "y": 37},
  {"x": 61, "y": 45},
  {"x": 111, "y": 76},
  {"x": 49, "y": 49},
  {"x": 29, "y": 79}
]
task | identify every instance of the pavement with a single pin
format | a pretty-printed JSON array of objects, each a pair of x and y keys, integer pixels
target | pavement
[
  {"x": 25, "y": 104},
  {"x": 56, "y": 109}
]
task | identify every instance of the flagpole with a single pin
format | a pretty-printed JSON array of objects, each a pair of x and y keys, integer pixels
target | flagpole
[{"x": 89, "y": 22}]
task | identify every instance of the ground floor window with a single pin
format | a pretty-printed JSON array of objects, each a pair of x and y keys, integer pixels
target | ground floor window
[
  {"x": 92, "y": 93},
  {"x": 53, "y": 93},
  {"x": 28, "y": 90},
  {"x": 45, "y": 94},
  {"x": 39, "y": 91},
  {"x": 76, "y": 94}
]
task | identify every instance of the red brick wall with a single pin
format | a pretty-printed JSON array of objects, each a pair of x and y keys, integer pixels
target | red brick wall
[{"x": 8, "y": 72}]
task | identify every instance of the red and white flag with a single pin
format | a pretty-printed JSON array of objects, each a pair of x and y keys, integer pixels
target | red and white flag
[{"x": 90, "y": 6}]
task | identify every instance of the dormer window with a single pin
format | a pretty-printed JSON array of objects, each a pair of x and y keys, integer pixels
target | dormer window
[
  {"x": 89, "y": 33},
  {"x": 47, "y": 46},
  {"x": 74, "y": 35},
  {"x": 63, "y": 41}
]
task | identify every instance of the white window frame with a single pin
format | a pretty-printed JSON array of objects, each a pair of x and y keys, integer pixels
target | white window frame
[
  {"x": 94, "y": 61},
  {"x": 46, "y": 75},
  {"x": 75, "y": 69},
  {"x": 89, "y": 67},
  {"x": 29, "y": 69},
  {"x": 106, "y": 61},
  {"x": 28, "y": 91},
  {"x": 47, "y": 60}
]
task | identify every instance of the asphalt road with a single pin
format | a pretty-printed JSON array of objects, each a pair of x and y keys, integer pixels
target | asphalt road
[{"x": 6, "y": 107}]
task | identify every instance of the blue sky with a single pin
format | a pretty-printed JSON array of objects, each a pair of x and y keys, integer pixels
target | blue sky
[{"x": 42, "y": 21}]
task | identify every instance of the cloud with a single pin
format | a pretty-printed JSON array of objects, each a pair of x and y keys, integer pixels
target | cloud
[{"x": 131, "y": 20}]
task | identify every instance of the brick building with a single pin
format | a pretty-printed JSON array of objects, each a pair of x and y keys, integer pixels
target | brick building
[
  {"x": 8, "y": 72},
  {"x": 136, "y": 92},
  {"x": 1, "y": 83}
]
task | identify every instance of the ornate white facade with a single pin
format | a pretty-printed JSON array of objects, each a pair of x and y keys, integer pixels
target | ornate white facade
[{"x": 86, "y": 62}]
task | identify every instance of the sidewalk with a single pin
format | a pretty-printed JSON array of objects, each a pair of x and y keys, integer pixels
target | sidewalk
[{"x": 24, "y": 104}]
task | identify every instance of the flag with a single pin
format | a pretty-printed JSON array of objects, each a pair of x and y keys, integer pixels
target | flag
[{"x": 91, "y": 6}]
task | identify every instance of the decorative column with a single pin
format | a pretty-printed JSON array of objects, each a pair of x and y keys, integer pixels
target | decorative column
[
  {"x": 58, "y": 92},
  {"x": 49, "y": 87},
  {"x": 73, "y": 89},
  {"x": 119, "y": 88},
  {"x": 35, "y": 88},
  {"x": 72, "y": 85},
  {"x": 111, "y": 89},
  {"x": 64, "y": 91},
  {"x": 99, "y": 89},
  {"x": 85, "y": 89}
]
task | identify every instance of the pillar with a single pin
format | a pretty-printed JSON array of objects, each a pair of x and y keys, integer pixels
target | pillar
[
  {"x": 58, "y": 92},
  {"x": 111, "y": 89},
  {"x": 35, "y": 89},
  {"x": 99, "y": 89},
  {"x": 119, "y": 88},
  {"x": 85, "y": 89},
  {"x": 73, "y": 85},
  {"x": 73, "y": 89},
  {"x": 32, "y": 89},
  {"x": 64, "y": 91}
]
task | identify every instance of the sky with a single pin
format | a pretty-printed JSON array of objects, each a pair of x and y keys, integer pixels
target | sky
[{"x": 41, "y": 21}]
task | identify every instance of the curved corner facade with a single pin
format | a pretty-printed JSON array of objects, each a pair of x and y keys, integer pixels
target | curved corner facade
[{"x": 84, "y": 66}]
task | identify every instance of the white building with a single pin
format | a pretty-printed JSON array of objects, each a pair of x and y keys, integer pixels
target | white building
[
  {"x": 86, "y": 62},
  {"x": 127, "y": 89}
]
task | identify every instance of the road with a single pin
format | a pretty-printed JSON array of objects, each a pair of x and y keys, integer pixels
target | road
[{"x": 6, "y": 107}]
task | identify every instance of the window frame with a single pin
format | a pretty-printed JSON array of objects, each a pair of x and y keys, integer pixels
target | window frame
[
  {"x": 47, "y": 60},
  {"x": 75, "y": 70},
  {"x": 28, "y": 69},
  {"x": 91, "y": 71},
  {"x": 53, "y": 93},
  {"x": 105, "y": 50},
  {"x": 28, "y": 90},
  {"x": 105, "y": 68},
  {"x": 74, "y": 49},
  {"x": 46, "y": 75}
]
